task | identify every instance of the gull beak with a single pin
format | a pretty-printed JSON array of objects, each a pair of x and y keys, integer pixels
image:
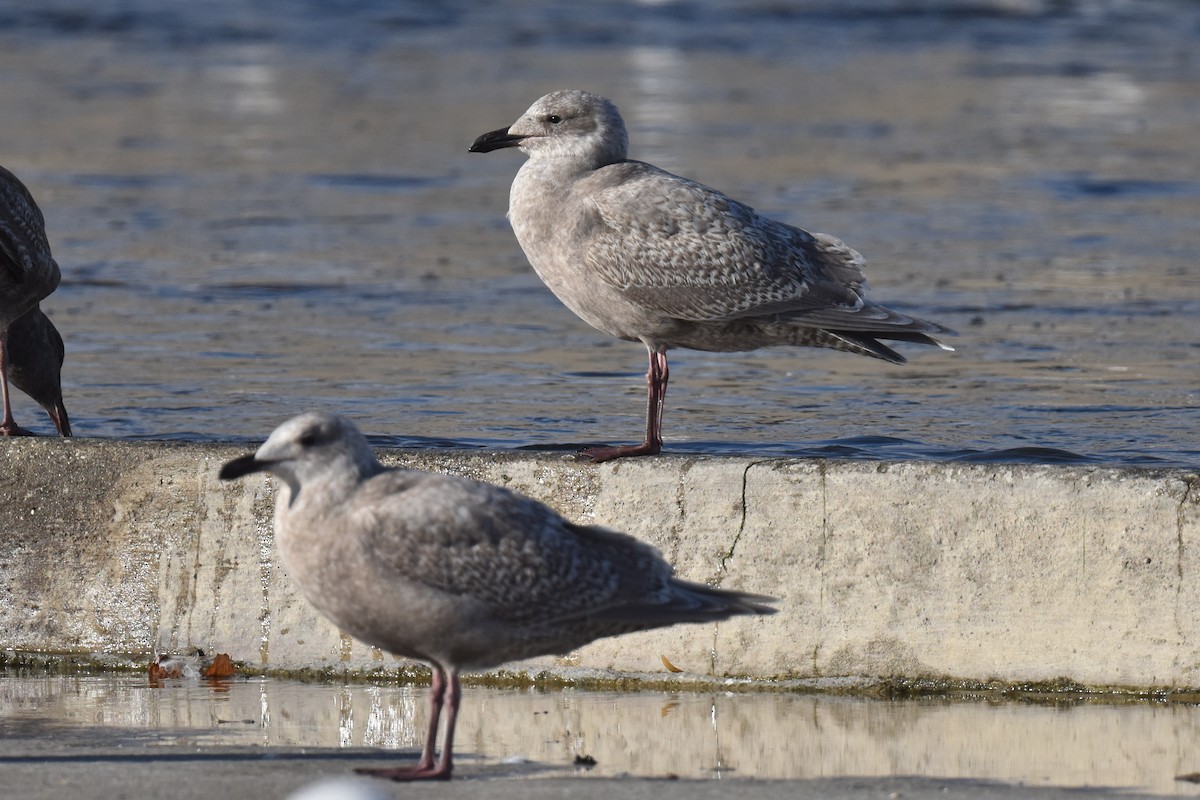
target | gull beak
[
  {"x": 494, "y": 140},
  {"x": 58, "y": 415},
  {"x": 244, "y": 465}
]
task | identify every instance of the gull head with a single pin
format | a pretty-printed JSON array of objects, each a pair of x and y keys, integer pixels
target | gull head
[
  {"x": 310, "y": 448},
  {"x": 36, "y": 352},
  {"x": 571, "y": 124}
]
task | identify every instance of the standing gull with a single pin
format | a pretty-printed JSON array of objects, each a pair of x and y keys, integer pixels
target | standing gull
[
  {"x": 458, "y": 573},
  {"x": 28, "y": 274},
  {"x": 648, "y": 256}
]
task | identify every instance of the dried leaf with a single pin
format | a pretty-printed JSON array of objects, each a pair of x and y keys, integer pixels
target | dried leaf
[{"x": 221, "y": 667}]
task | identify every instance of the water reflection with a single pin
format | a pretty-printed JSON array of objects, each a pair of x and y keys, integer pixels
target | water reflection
[
  {"x": 248, "y": 89},
  {"x": 1132, "y": 745},
  {"x": 659, "y": 111}
]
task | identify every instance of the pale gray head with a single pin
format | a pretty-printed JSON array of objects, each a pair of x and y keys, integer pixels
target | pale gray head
[
  {"x": 570, "y": 124},
  {"x": 310, "y": 447}
]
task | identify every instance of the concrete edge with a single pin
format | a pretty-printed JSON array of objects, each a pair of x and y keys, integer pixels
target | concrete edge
[{"x": 888, "y": 572}]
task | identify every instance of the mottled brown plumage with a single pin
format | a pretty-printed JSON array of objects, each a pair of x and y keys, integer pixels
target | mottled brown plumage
[
  {"x": 648, "y": 256},
  {"x": 456, "y": 572}
]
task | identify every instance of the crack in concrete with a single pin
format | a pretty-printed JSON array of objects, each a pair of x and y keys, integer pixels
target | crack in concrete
[
  {"x": 1191, "y": 494},
  {"x": 728, "y": 554},
  {"x": 821, "y": 471},
  {"x": 723, "y": 567},
  {"x": 186, "y": 619},
  {"x": 677, "y": 531}
]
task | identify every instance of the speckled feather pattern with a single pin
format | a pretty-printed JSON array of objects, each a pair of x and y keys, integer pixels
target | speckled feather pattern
[
  {"x": 28, "y": 273},
  {"x": 456, "y": 571},
  {"x": 646, "y": 255},
  {"x": 31, "y": 346},
  {"x": 474, "y": 539},
  {"x": 711, "y": 259}
]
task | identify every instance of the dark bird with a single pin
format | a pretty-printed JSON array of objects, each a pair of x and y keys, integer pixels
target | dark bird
[
  {"x": 31, "y": 350},
  {"x": 648, "y": 256},
  {"x": 455, "y": 572},
  {"x": 35, "y": 358}
]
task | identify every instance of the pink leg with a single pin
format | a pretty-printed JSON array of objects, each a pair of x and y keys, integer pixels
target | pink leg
[
  {"x": 8, "y": 425},
  {"x": 454, "y": 695},
  {"x": 443, "y": 691},
  {"x": 656, "y": 395}
]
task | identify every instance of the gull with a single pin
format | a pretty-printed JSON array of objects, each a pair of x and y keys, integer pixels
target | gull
[
  {"x": 456, "y": 572},
  {"x": 30, "y": 346},
  {"x": 645, "y": 255},
  {"x": 35, "y": 358}
]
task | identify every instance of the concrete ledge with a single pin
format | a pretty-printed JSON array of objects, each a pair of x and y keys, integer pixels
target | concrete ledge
[{"x": 911, "y": 570}]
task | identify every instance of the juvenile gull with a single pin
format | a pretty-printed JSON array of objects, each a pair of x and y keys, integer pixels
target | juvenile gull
[
  {"x": 458, "y": 573},
  {"x": 648, "y": 256},
  {"x": 28, "y": 274}
]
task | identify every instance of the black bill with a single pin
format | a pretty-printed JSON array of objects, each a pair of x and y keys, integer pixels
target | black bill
[{"x": 494, "y": 140}]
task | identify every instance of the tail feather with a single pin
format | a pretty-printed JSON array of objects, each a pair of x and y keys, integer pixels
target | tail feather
[
  {"x": 869, "y": 342},
  {"x": 689, "y": 602}
]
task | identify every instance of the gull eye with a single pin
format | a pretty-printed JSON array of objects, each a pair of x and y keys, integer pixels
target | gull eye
[
  {"x": 308, "y": 438},
  {"x": 554, "y": 119}
]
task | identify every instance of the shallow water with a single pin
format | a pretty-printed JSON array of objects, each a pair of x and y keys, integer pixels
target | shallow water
[
  {"x": 264, "y": 208},
  {"x": 692, "y": 735}
]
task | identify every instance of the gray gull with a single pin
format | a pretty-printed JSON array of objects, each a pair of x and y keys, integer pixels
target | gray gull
[
  {"x": 455, "y": 572},
  {"x": 648, "y": 256},
  {"x": 28, "y": 274}
]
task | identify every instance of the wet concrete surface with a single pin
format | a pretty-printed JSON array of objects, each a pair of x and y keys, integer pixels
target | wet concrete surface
[
  {"x": 266, "y": 208},
  {"x": 116, "y": 735}
]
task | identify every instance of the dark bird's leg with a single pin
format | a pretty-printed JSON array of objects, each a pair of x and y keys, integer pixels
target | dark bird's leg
[
  {"x": 444, "y": 691},
  {"x": 656, "y": 395},
  {"x": 8, "y": 425}
]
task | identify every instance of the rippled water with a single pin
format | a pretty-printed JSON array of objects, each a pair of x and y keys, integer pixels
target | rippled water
[
  {"x": 649, "y": 734},
  {"x": 263, "y": 208}
]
